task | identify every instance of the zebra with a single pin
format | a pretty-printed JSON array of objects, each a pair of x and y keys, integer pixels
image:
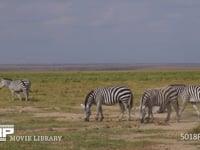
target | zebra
[
  {"x": 179, "y": 88},
  {"x": 159, "y": 97},
  {"x": 16, "y": 86},
  {"x": 190, "y": 94},
  {"x": 108, "y": 96}
]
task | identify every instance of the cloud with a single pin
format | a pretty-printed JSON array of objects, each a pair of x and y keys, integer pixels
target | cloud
[
  {"x": 31, "y": 15},
  {"x": 98, "y": 27},
  {"x": 145, "y": 16}
]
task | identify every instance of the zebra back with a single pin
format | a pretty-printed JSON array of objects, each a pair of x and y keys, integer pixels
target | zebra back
[
  {"x": 191, "y": 93},
  {"x": 110, "y": 95},
  {"x": 169, "y": 92},
  {"x": 159, "y": 97},
  {"x": 167, "y": 95},
  {"x": 19, "y": 85},
  {"x": 7, "y": 79},
  {"x": 5, "y": 82},
  {"x": 149, "y": 97},
  {"x": 178, "y": 87},
  {"x": 26, "y": 83}
]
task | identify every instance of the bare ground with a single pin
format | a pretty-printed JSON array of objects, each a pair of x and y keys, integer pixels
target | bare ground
[{"x": 169, "y": 137}]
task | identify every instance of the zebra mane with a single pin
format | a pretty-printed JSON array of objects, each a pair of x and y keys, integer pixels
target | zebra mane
[
  {"x": 7, "y": 79},
  {"x": 87, "y": 97}
]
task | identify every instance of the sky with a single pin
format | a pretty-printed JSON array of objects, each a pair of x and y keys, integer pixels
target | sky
[{"x": 99, "y": 31}]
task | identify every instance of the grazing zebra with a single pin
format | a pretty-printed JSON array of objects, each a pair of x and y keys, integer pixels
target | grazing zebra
[
  {"x": 159, "y": 97},
  {"x": 108, "y": 96},
  {"x": 17, "y": 86},
  {"x": 179, "y": 88},
  {"x": 190, "y": 94}
]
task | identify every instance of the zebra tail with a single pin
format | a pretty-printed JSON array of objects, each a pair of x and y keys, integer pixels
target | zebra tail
[{"x": 131, "y": 102}]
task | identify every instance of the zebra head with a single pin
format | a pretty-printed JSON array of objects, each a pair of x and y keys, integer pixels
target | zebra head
[
  {"x": 87, "y": 112},
  {"x": 88, "y": 103},
  {"x": 5, "y": 82}
]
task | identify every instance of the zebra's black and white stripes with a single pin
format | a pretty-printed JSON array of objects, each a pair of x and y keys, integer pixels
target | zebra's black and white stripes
[
  {"x": 188, "y": 94},
  {"x": 17, "y": 86},
  {"x": 191, "y": 94},
  {"x": 179, "y": 88},
  {"x": 159, "y": 97},
  {"x": 108, "y": 96}
]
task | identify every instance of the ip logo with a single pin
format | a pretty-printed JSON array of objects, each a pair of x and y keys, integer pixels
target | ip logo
[{"x": 5, "y": 130}]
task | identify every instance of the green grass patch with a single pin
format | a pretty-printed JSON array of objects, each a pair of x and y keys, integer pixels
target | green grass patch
[
  {"x": 63, "y": 92},
  {"x": 195, "y": 130}
]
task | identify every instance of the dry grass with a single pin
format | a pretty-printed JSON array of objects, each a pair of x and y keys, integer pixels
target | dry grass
[{"x": 54, "y": 109}]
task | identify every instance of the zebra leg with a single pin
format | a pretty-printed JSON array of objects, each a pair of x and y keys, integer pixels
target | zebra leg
[
  {"x": 18, "y": 95},
  {"x": 169, "y": 109},
  {"x": 143, "y": 113},
  {"x": 122, "y": 111},
  {"x": 26, "y": 94},
  {"x": 196, "y": 108},
  {"x": 12, "y": 95},
  {"x": 129, "y": 112},
  {"x": 127, "y": 106},
  {"x": 98, "y": 110},
  {"x": 183, "y": 107},
  {"x": 176, "y": 107},
  {"x": 151, "y": 114},
  {"x": 102, "y": 117}
]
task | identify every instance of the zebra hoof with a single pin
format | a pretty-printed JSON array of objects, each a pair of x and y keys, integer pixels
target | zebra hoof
[
  {"x": 101, "y": 119},
  {"x": 86, "y": 119}
]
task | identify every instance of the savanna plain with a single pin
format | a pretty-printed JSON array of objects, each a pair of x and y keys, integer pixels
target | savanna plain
[{"x": 54, "y": 109}]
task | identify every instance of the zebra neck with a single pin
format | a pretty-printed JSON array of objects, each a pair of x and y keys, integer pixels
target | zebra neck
[
  {"x": 5, "y": 83},
  {"x": 90, "y": 102}
]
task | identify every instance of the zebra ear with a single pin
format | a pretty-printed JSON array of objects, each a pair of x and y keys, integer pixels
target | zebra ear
[{"x": 83, "y": 106}]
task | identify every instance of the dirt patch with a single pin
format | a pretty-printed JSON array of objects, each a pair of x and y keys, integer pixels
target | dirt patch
[
  {"x": 169, "y": 136},
  {"x": 165, "y": 136},
  {"x": 20, "y": 109},
  {"x": 60, "y": 116}
]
